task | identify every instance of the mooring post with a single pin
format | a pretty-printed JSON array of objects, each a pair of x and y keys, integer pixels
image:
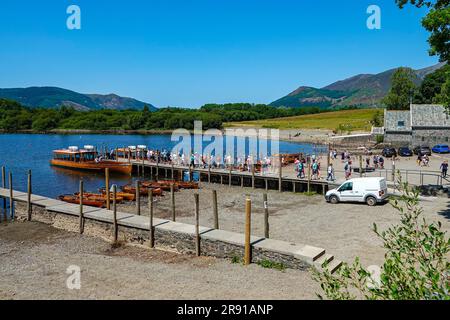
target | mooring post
[
  {"x": 215, "y": 211},
  {"x": 248, "y": 211},
  {"x": 172, "y": 198},
  {"x": 280, "y": 172},
  {"x": 197, "y": 228},
  {"x": 266, "y": 216},
  {"x": 81, "y": 207},
  {"x": 157, "y": 168},
  {"x": 108, "y": 195},
  {"x": 29, "y": 208},
  {"x": 150, "y": 204},
  {"x": 4, "y": 187},
  {"x": 11, "y": 198},
  {"x": 138, "y": 198},
  {"x": 209, "y": 173},
  {"x": 229, "y": 175},
  {"x": 116, "y": 226}
]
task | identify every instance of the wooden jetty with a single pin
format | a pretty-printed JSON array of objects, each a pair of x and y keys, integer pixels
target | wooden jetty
[{"x": 269, "y": 181}]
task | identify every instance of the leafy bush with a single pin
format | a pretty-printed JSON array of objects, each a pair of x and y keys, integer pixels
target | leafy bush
[{"x": 416, "y": 263}]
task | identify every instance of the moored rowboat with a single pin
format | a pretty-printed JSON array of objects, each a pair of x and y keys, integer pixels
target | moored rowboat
[{"x": 86, "y": 201}]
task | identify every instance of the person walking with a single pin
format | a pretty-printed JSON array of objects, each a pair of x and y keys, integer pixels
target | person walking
[{"x": 330, "y": 173}]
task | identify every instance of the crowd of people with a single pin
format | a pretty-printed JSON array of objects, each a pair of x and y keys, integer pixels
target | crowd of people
[{"x": 271, "y": 165}]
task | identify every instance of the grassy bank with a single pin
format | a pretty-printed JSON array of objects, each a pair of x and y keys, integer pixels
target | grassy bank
[{"x": 345, "y": 120}]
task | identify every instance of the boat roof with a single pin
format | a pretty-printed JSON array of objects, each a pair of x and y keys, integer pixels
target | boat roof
[{"x": 80, "y": 151}]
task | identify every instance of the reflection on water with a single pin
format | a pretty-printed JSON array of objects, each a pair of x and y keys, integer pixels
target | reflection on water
[{"x": 22, "y": 152}]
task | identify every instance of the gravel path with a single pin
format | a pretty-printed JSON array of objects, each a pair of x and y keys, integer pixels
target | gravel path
[{"x": 34, "y": 259}]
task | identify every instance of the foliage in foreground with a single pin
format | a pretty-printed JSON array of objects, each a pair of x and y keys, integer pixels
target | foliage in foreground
[{"x": 416, "y": 264}]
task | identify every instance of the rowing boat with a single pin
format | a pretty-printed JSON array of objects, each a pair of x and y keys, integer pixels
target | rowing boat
[{"x": 86, "y": 201}]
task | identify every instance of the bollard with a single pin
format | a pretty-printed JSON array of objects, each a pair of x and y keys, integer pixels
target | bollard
[
  {"x": 108, "y": 201},
  {"x": 172, "y": 197},
  {"x": 215, "y": 211},
  {"x": 151, "y": 229},
  {"x": 248, "y": 210},
  {"x": 229, "y": 175},
  {"x": 81, "y": 207},
  {"x": 197, "y": 228},
  {"x": 29, "y": 208},
  {"x": 266, "y": 216},
  {"x": 138, "y": 198},
  {"x": 116, "y": 227}
]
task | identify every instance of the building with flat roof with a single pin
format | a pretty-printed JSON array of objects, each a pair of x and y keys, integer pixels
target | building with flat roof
[{"x": 422, "y": 124}]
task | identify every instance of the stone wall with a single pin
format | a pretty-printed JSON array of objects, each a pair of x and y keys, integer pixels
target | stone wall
[{"x": 178, "y": 237}]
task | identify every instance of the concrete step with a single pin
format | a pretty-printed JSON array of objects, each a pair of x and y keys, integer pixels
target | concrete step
[
  {"x": 332, "y": 263},
  {"x": 325, "y": 258},
  {"x": 334, "y": 266}
]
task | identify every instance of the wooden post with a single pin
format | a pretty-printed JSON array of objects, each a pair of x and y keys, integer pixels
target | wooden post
[
  {"x": 108, "y": 195},
  {"x": 360, "y": 166},
  {"x": 253, "y": 176},
  {"x": 197, "y": 228},
  {"x": 308, "y": 163},
  {"x": 157, "y": 168},
  {"x": 4, "y": 187},
  {"x": 215, "y": 211},
  {"x": 172, "y": 174},
  {"x": 280, "y": 173},
  {"x": 116, "y": 227},
  {"x": 138, "y": 198},
  {"x": 81, "y": 207},
  {"x": 328, "y": 157},
  {"x": 266, "y": 182},
  {"x": 172, "y": 198},
  {"x": 11, "y": 198},
  {"x": 209, "y": 173},
  {"x": 229, "y": 176},
  {"x": 29, "y": 208},
  {"x": 150, "y": 204},
  {"x": 248, "y": 211},
  {"x": 266, "y": 216},
  {"x": 393, "y": 171}
]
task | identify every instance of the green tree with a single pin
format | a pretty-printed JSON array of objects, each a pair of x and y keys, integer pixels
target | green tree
[
  {"x": 402, "y": 89},
  {"x": 437, "y": 23},
  {"x": 431, "y": 85},
  {"x": 416, "y": 263},
  {"x": 444, "y": 96}
]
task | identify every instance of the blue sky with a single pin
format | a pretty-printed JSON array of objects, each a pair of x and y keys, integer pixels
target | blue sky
[{"x": 190, "y": 52}]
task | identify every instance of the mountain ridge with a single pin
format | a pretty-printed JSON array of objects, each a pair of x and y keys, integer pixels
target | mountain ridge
[
  {"x": 359, "y": 90},
  {"x": 54, "y": 97}
]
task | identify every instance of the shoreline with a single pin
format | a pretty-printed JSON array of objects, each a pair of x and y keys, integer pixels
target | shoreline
[{"x": 311, "y": 136}]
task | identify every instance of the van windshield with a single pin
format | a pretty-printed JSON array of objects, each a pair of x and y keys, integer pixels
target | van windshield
[{"x": 348, "y": 186}]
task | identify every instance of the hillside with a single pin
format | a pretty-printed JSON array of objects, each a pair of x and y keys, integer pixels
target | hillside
[
  {"x": 350, "y": 120},
  {"x": 53, "y": 97},
  {"x": 360, "y": 90}
]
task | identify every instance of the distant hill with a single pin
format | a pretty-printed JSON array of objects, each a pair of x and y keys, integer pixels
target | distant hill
[
  {"x": 359, "y": 90},
  {"x": 53, "y": 97}
]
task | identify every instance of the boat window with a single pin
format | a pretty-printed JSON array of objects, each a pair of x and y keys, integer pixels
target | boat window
[{"x": 346, "y": 187}]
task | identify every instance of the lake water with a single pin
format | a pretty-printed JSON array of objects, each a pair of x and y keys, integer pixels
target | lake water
[{"x": 22, "y": 152}]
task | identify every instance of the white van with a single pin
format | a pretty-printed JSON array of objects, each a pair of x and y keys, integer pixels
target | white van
[{"x": 371, "y": 190}]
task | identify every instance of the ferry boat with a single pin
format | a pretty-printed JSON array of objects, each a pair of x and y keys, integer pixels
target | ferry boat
[{"x": 87, "y": 159}]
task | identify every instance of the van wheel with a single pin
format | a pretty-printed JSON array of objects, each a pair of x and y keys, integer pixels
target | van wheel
[
  {"x": 334, "y": 200},
  {"x": 371, "y": 201}
]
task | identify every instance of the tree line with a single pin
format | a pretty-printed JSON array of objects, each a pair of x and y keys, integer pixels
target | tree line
[{"x": 16, "y": 117}]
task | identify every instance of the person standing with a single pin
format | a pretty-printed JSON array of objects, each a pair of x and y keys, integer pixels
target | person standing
[{"x": 444, "y": 169}]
